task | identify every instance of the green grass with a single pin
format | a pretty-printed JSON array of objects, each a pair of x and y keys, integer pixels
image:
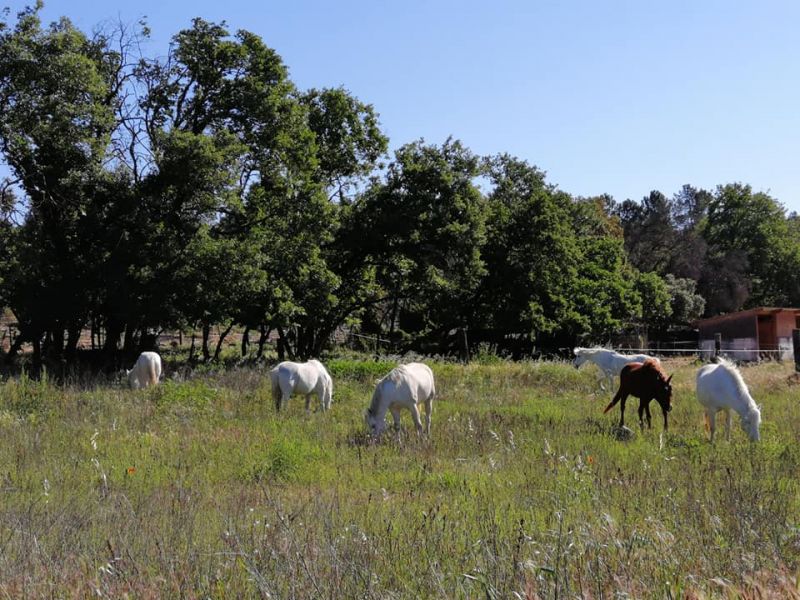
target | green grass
[{"x": 198, "y": 488}]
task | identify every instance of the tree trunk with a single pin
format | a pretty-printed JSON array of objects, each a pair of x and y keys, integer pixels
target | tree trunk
[
  {"x": 262, "y": 339},
  {"x": 206, "y": 333},
  {"x": 219, "y": 342},
  {"x": 73, "y": 337},
  {"x": 283, "y": 345},
  {"x": 37, "y": 354},
  {"x": 129, "y": 343},
  {"x": 245, "y": 341},
  {"x": 191, "y": 348},
  {"x": 113, "y": 331}
]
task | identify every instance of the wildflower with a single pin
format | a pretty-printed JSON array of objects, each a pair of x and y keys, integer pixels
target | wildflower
[
  {"x": 131, "y": 470},
  {"x": 590, "y": 459}
]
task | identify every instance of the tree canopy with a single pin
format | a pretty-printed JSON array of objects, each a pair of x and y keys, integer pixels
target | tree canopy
[{"x": 203, "y": 188}]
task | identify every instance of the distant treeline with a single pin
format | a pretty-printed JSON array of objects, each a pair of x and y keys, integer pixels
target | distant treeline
[{"x": 204, "y": 189}]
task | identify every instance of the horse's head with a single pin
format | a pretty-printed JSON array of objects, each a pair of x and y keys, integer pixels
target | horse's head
[
  {"x": 133, "y": 382},
  {"x": 580, "y": 357},
  {"x": 751, "y": 422},
  {"x": 664, "y": 393},
  {"x": 375, "y": 425}
]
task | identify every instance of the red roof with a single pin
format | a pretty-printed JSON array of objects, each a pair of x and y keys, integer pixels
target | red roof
[{"x": 761, "y": 310}]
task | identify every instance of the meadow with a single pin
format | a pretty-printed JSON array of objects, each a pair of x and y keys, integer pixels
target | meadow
[{"x": 197, "y": 488}]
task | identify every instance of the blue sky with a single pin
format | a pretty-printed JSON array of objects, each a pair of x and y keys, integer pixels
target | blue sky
[{"x": 617, "y": 97}]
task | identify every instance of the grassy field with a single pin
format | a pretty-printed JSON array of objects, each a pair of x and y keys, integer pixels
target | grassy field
[{"x": 198, "y": 489}]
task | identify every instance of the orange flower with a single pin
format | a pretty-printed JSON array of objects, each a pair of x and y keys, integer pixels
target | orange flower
[
  {"x": 590, "y": 459},
  {"x": 131, "y": 470}
]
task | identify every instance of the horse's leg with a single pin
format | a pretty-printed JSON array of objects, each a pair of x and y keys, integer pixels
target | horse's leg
[
  {"x": 622, "y": 410},
  {"x": 428, "y": 412},
  {"x": 415, "y": 416},
  {"x": 647, "y": 412},
  {"x": 308, "y": 403},
  {"x": 617, "y": 397},
  {"x": 396, "y": 418},
  {"x": 641, "y": 413},
  {"x": 711, "y": 416}
]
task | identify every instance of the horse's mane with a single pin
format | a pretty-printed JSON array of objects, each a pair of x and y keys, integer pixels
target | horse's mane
[
  {"x": 741, "y": 386},
  {"x": 594, "y": 350},
  {"x": 393, "y": 375},
  {"x": 654, "y": 365}
]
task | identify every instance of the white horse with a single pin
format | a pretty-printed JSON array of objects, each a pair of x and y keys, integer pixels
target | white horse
[
  {"x": 404, "y": 387},
  {"x": 306, "y": 378},
  {"x": 608, "y": 361},
  {"x": 721, "y": 387},
  {"x": 145, "y": 372}
]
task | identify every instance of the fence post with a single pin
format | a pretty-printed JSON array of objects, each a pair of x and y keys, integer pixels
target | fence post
[
  {"x": 796, "y": 346},
  {"x": 717, "y": 344}
]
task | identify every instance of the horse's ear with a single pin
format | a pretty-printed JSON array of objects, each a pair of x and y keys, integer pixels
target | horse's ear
[{"x": 669, "y": 378}]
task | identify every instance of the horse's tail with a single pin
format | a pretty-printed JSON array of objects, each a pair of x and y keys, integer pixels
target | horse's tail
[
  {"x": 276, "y": 387},
  {"x": 616, "y": 399}
]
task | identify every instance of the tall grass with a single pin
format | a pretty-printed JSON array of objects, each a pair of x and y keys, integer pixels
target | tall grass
[{"x": 198, "y": 488}]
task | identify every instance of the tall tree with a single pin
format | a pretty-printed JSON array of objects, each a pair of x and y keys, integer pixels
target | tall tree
[
  {"x": 57, "y": 114},
  {"x": 751, "y": 231},
  {"x": 423, "y": 229},
  {"x": 531, "y": 252}
]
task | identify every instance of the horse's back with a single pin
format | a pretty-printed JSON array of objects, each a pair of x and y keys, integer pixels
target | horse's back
[
  {"x": 302, "y": 378},
  {"x": 421, "y": 377},
  {"x": 717, "y": 386},
  {"x": 412, "y": 382},
  {"x": 639, "y": 377},
  {"x": 146, "y": 370}
]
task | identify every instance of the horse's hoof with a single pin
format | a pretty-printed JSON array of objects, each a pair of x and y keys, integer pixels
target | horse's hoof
[{"x": 623, "y": 433}]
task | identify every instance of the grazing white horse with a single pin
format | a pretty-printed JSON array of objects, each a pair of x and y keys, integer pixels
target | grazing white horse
[
  {"x": 306, "y": 378},
  {"x": 721, "y": 387},
  {"x": 608, "y": 361},
  {"x": 404, "y": 387},
  {"x": 146, "y": 371}
]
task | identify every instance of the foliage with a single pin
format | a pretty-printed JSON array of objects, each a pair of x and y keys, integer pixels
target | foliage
[
  {"x": 203, "y": 188},
  {"x": 423, "y": 229}
]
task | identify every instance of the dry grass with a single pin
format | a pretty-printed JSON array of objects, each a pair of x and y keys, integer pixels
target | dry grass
[{"x": 199, "y": 489}]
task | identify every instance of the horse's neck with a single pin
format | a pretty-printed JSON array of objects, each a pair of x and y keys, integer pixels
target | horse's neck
[
  {"x": 376, "y": 407},
  {"x": 746, "y": 403},
  {"x": 749, "y": 406}
]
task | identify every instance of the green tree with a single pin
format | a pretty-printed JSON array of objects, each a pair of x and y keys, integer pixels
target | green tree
[
  {"x": 655, "y": 301},
  {"x": 57, "y": 114},
  {"x": 603, "y": 295},
  {"x": 423, "y": 228},
  {"x": 531, "y": 252},
  {"x": 750, "y": 232},
  {"x": 349, "y": 141}
]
